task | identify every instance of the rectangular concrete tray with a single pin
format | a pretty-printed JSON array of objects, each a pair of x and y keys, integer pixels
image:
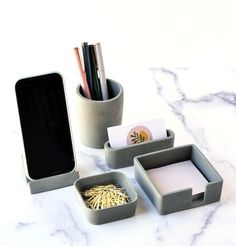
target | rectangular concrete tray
[{"x": 123, "y": 157}]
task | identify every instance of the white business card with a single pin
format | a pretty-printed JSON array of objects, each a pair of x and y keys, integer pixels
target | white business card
[{"x": 123, "y": 135}]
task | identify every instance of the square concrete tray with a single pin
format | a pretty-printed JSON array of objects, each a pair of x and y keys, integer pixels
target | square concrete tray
[
  {"x": 181, "y": 199},
  {"x": 100, "y": 216},
  {"x": 124, "y": 157}
]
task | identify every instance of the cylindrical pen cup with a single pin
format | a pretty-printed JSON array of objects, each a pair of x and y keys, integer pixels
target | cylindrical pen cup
[{"x": 94, "y": 117}]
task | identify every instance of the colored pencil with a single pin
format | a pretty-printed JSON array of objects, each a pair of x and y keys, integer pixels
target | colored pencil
[{"x": 84, "y": 83}]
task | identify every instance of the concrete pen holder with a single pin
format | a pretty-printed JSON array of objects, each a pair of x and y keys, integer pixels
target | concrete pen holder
[
  {"x": 94, "y": 117},
  {"x": 183, "y": 198},
  {"x": 123, "y": 157}
]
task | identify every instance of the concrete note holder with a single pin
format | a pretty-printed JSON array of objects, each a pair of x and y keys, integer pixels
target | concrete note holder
[
  {"x": 101, "y": 216},
  {"x": 123, "y": 157},
  {"x": 182, "y": 199}
]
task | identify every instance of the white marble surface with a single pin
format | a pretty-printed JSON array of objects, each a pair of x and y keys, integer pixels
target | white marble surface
[
  {"x": 137, "y": 37},
  {"x": 198, "y": 105}
]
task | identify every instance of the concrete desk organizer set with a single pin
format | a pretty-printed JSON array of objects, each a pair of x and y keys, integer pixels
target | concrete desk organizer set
[{"x": 93, "y": 121}]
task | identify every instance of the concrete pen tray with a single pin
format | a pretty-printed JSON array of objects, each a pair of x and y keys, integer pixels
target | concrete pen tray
[
  {"x": 105, "y": 215},
  {"x": 123, "y": 157},
  {"x": 183, "y": 198}
]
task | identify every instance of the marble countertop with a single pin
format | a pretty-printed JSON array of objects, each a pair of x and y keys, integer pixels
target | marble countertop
[{"x": 197, "y": 104}]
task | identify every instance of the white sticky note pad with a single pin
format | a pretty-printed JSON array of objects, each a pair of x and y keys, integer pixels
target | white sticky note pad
[
  {"x": 123, "y": 135},
  {"x": 178, "y": 176}
]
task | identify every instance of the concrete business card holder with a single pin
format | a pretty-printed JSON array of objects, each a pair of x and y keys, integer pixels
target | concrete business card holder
[
  {"x": 182, "y": 199},
  {"x": 100, "y": 216},
  {"x": 123, "y": 157}
]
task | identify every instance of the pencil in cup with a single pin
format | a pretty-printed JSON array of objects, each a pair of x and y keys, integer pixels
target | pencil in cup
[
  {"x": 84, "y": 83},
  {"x": 101, "y": 71}
]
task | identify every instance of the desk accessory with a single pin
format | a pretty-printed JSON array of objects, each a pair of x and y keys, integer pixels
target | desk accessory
[
  {"x": 84, "y": 83},
  {"x": 178, "y": 176},
  {"x": 183, "y": 198},
  {"x": 124, "y": 156},
  {"x": 49, "y": 156},
  {"x": 94, "y": 117},
  {"x": 123, "y": 135},
  {"x": 101, "y": 70},
  {"x": 105, "y": 196},
  {"x": 94, "y": 83},
  {"x": 105, "y": 215},
  {"x": 52, "y": 182}
]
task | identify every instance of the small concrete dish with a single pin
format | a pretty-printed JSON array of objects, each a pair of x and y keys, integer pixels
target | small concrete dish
[{"x": 101, "y": 216}]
